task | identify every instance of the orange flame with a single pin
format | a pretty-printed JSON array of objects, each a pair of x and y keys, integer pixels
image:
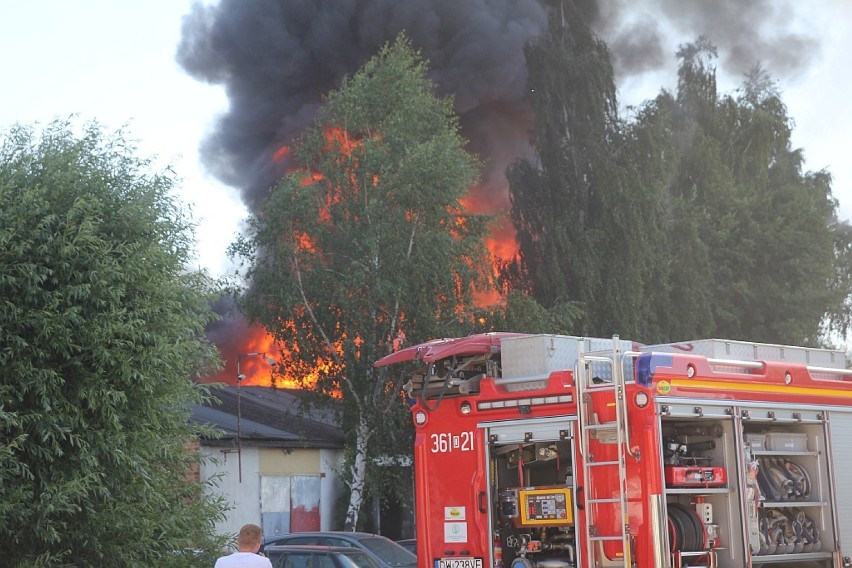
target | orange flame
[
  {"x": 310, "y": 178},
  {"x": 281, "y": 154},
  {"x": 250, "y": 348},
  {"x": 304, "y": 242},
  {"x": 339, "y": 139},
  {"x": 502, "y": 243}
]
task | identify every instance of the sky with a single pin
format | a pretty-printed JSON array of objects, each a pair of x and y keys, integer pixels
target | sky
[{"x": 114, "y": 62}]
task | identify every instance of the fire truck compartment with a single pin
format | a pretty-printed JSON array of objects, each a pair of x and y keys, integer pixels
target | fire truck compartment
[
  {"x": 532, "y": 485},
  {"x": 775, "y": 506}
]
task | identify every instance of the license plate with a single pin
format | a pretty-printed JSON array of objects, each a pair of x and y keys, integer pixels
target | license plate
[{"x": 460, "y": 562}]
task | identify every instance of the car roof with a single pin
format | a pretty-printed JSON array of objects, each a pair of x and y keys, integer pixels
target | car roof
[
  {"x": 357, "y": 539},
  {"x": 332, "y": 533},
  {"x": 312, "y": 548}
]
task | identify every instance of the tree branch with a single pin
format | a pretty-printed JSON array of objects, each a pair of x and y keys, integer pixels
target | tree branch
[{"x": 328, "y": 343}]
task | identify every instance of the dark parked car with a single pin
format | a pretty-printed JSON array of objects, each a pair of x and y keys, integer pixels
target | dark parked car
[
  {"x": 283, "y": 556},
  {"x": 385, "y": 551}
]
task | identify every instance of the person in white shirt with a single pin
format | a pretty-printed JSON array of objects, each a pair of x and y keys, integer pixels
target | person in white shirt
[{"x": 248, "y": 543}]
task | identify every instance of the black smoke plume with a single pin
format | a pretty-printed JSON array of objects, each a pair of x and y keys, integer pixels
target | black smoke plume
[
  {"x": 276, "y": 59},
  {"x": 642, "y": 36}
]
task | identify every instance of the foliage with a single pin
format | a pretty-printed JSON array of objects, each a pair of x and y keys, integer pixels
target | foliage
[
  {"x": 367, "y": 246},
  {"x": 694, "y": 219},
  {"x": 521, "y": 313},
  {"x": 581, "y": 223},
  {"x": 753, "y": 241},
  {"x": 100, "y": 332}
]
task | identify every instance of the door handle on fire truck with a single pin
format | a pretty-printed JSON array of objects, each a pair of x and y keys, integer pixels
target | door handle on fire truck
[
  {"x": 481, "y": 502},
  {"x": 578, "y": 498}
]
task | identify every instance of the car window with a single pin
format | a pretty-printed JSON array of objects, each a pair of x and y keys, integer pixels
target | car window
[
  {"x": 333, "y": 541},
  {"x": 409, "y": 545},
  {"x": 295, "y": 561},
  {"x": 301, "y": 540},
  {"x": 357, "y": 561},
  {"x": 389, "y": 551}
]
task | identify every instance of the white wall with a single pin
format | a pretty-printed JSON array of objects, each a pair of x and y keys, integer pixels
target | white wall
[{"x": 244, "y": 497}]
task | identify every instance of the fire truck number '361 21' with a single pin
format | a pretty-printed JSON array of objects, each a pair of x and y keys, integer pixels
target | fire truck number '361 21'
[{"x": 555, "y": 451}]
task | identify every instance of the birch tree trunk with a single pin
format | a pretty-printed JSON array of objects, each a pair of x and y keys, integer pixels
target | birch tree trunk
[{"x": 358, "y": 473}]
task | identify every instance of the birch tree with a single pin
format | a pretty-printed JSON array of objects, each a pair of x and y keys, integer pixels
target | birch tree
[{"x": 365, "y": 245}]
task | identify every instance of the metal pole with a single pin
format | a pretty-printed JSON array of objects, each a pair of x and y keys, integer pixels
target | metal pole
[
  {"x": 239, "y": 424},
  {"x": 240, "y": 378}
]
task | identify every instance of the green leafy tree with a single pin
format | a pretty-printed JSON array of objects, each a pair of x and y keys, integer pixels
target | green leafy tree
[
  {"x": 676, "y": 303},
  {"x": 100, "y": 331},
  {"x": 694, "y": 219},
  {"x": 794, "y": 282},
  {"x": 366, "y": 247},
  {"x": 584, "y": 229},
  {"x": 754, "y": 245}
]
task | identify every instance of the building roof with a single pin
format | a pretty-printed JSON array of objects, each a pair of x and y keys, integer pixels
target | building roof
[{"x": 267, "y": 417}]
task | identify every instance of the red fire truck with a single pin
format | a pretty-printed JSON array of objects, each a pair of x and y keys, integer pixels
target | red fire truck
[{"x": 556, "y": 451}]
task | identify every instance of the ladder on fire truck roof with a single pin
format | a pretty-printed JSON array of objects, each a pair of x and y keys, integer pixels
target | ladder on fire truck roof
[{"x": 594, "y": 392}]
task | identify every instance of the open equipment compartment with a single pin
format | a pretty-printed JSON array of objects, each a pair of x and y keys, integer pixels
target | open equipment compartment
[
  {"x": 533, "y": 484},
  {"x": 701, "y": 485},
  {"x": 786, "y": 451}
]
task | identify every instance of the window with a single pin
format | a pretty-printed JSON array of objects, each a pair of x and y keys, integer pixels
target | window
[
  {"x": 303, "y": 540},
  {"x": 296, "y": 561}
]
